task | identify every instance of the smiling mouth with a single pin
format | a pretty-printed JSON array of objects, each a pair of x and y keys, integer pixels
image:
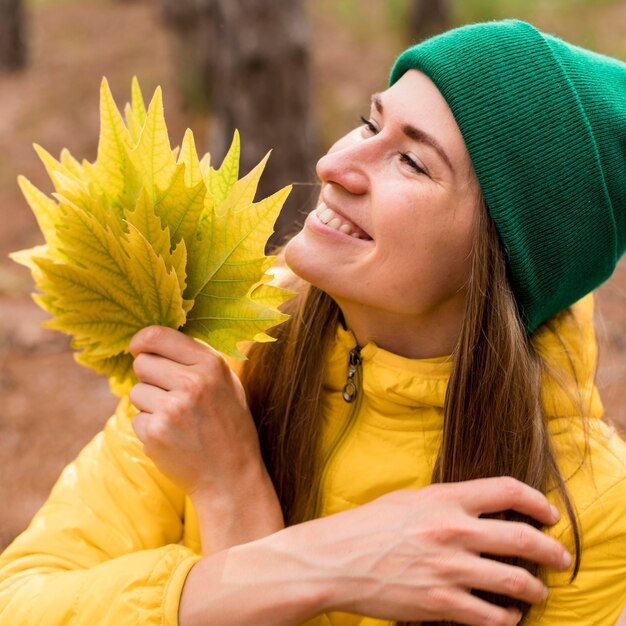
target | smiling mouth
[{"x": 339, "y": 222}]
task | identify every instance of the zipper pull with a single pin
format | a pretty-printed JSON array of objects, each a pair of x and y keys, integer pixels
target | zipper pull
[{"x": 350, "y": 389}]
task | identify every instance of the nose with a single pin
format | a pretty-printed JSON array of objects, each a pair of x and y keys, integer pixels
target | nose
[{"x": 346, "y": 165}]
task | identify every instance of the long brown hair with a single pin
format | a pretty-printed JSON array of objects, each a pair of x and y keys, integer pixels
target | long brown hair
[
  {"x": 493, "y": 418},
  {"x": 493, "y": 401}
]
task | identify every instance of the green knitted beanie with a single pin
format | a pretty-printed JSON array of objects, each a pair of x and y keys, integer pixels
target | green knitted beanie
[{"x": 545, "y": 126}]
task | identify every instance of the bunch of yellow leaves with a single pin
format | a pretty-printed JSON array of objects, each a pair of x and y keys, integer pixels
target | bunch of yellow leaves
[{"x": 150, "y": 235}]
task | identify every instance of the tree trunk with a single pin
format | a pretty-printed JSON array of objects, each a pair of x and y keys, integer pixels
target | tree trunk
[
  {"x": 428, "y": 17},
  {"x": 248, "y": 62},
  {"x": 12, "y": 42},
  {"x": 195, "y": 28}
]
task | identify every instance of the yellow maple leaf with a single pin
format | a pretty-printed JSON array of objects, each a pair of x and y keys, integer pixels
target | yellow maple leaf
[{"x": 147, "y": 235}]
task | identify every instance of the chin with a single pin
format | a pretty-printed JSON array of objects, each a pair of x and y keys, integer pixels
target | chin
[
  {"x": 307, "y": 261},
  {"x": 321, "y": 262},
  {"x": 298, "y": 258}
]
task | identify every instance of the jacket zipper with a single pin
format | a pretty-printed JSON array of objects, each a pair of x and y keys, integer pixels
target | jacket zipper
[
  {"x": 350, "y": 389},
  {"x": 352, "y": 395}
]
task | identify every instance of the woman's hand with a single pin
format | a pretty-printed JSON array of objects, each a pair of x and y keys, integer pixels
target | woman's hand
[
  {"x": 411, "y": 555},
  {"x": 195, "y": 424},
  {"x": 416, "y": 554}
]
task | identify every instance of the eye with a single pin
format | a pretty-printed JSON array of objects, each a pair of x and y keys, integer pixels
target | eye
[
  {"x": 405, "y": 158},
  {"x": 368, "y": 125}
]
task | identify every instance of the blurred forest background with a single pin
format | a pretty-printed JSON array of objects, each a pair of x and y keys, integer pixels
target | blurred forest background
[{"x": 290, "y": 74}]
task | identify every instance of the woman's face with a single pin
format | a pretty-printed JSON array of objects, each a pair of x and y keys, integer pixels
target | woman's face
[{"x": 392, "y": 233}]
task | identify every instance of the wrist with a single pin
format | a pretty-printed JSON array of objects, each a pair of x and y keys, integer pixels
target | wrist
[
  {"x": 325, "y": 553},
  {"x": 259, "y": 583},
  {"x": 284, "y": 564},
  {"x": 243, "y": 511}
]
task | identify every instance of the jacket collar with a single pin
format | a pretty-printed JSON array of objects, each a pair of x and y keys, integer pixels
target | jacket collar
[{"x": 392, "y": 383}]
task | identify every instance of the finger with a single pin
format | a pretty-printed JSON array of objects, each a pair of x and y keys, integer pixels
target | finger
[
  {"x": 147, "y": 398},
  {"x": 140, "y": 425},
  {"x": 469, "y": 609},
  {"x": 152, "y": 431},
  {"x": 492, "y": 495},
  {"x": 169, "y": 343},
  {"x": 158, "y": 371},
  {"x": 506, "y": 538},
  {"x": 510, "y": 580}
]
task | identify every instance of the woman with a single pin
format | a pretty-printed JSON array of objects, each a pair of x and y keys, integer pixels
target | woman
[{"x": 482, "y": 197}]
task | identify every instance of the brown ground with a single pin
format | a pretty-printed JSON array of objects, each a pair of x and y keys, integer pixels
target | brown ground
[{"x": 49, "y": 406}]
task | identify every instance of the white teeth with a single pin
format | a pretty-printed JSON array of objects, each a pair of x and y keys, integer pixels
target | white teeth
[
  {"x": 327, "y": 215},
  {"x": 330, "y": 218}
]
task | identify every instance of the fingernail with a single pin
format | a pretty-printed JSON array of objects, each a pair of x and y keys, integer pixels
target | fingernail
[
  {"x": 544, "y": 593},
  {"x": 555, "y": 513},
  {"x": 567, "y": 560}
]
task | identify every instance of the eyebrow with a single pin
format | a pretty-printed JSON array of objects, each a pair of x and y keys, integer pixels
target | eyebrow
[{"x": 416, "y": 134}]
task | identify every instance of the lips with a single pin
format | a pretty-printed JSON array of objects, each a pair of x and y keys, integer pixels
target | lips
[{"x": 339, "y": 222}]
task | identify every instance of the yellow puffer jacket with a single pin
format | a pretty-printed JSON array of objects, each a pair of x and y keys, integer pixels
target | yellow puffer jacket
[{"x": 115, "y": 540}]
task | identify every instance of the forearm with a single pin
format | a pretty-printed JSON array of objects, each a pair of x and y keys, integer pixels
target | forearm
[
  {"x": 264, "y": 582},
  {"x": 283, "y": 579},
  {"x": 233, "y": 515}
]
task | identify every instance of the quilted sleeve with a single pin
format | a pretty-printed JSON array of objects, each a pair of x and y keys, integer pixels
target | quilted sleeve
[
  {"x": 104, "y": 549},
  {"x": 598, "y": 593}
]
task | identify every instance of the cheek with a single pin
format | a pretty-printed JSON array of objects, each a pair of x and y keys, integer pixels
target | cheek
[
  {"x": 452, "y": 259},
  {"x": 426, "y": 256}
]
